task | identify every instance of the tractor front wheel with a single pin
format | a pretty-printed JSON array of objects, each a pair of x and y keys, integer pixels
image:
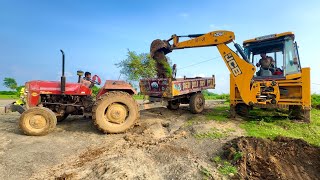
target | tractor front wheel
[
  {"x": 115, "y": 112},
  {"x": 37, "y": 121}
]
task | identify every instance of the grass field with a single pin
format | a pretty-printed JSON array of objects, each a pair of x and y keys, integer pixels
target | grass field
[
  {"x": 8, "y": 97},
  {"x": 269, "y": 124}
]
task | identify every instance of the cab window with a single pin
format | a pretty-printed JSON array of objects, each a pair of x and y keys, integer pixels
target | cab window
[{"x": 290, "y": 56}]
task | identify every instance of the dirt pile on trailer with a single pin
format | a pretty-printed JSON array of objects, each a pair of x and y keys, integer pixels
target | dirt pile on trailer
[{"x": 282, "y": 158}]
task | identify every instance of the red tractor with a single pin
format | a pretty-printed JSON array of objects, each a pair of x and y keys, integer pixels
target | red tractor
[{"x": 47, "y": 102}]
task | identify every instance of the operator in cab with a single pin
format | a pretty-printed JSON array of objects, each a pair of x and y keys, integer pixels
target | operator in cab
[
  {"x": 174, "y": 71},
  {"x": 86, "y": 80},
  {"x": 266, "y": 63}
]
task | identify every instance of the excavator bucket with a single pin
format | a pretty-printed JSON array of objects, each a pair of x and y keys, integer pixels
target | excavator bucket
[
  {"x": 159, "y": 46},
  {"x": 158, "y": 50}
]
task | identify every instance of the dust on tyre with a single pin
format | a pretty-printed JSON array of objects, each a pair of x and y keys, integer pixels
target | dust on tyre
[
  {"x": 37, "y": 121},
  {"x": 115, "y": 112},
  {"x": 242, "y": 110},
  {"x": 173, "y": 105},
  {"x": 197, "y": 103}
]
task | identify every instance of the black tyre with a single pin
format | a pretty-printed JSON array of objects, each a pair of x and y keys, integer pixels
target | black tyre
[
  {"x": 37, "y": 121},
  {"x": 298, "y": 113},
  {"x": 115, "y": 112},
  {"x": 242, "y": 109},
  {"x": 197, "y": 103},
  {"x": 62, "y": 118},
  {"x": 173, "y": 105}
]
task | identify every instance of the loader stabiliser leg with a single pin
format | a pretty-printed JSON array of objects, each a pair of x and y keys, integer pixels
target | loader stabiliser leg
[
  {"x": 13, "y": 108},
  {"x": 298, "y": 113}
]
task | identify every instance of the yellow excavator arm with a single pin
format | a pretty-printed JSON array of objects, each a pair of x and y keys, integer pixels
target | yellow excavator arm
[{"x": 241, "y": 69}]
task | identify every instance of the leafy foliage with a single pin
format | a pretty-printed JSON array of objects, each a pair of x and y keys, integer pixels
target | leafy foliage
[
  {"x": 213, "y": 96},
  {"x": 10, "y": 83},
  {"x": 137, "y": 66},
  {"x": 95, "y": 90},
  {"x": 315, "y": 100}
]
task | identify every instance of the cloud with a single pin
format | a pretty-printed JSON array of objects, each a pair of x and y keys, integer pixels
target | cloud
[{"x": 184, "y": 15}]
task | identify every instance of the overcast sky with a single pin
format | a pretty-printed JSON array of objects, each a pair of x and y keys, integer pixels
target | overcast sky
[{"x": 96, "y": 34}]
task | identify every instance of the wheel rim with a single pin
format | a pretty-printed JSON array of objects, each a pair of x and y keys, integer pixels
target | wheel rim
[
  {"x": 199, "y": 103},
  {"x": 116, "y": 113},
  {"x": 36, "y": 122}
]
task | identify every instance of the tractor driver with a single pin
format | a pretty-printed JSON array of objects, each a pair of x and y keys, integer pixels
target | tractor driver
[
  {"x": 266, "y": 63},
  {"x": 86, "y": 80}
]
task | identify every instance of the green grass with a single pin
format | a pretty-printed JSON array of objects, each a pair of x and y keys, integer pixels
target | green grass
[
  {"x": 219, "y": 113},
  {"x": 8, "y": 97},
  {"x": 272, "y": 127},
  {"x": 315, "y": 100},
  {"x": 205, "y": 172},
  {"x": 237, "y": 156},
  {"x": 138, "y": 97},
  {"x": 269, "y": 124},
  {"x": 224, "y": 167},
  {"x": 214, "y": 133},
  {"x": 227, "y": 168}
]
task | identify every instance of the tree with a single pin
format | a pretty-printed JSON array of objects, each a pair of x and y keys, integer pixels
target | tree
[
  {"x": 10, "y": 83},
  {"x": 137, "y": 66}
]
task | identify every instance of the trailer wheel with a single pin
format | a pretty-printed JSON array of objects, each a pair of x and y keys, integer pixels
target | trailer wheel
[
  {"x": 298, "y": 113},
  {"x": 197, "y": 103},
  {"x": 242, "y": 110},
  {"x": 173, "y": 105},
  {"x": 37, "y": 121},
  {"x": 115, "y": 112}
]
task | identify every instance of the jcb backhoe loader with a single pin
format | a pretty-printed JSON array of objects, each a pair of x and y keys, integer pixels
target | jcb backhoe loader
[{"x": 284, "y": 85}]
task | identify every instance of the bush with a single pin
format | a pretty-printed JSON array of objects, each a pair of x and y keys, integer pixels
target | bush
[
  {"x": 315, "y": 100},
  {"x": 8, "y": 92}
]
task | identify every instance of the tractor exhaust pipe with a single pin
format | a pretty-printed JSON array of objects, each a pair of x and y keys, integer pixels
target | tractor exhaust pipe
[{"x": 63, "y": 78}]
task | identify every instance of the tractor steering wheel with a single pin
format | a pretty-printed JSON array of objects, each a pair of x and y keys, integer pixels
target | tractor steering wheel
[{"x": 96, "y": 79}]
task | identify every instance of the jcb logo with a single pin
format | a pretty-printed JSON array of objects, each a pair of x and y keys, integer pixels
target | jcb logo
[{"x": 232, "y": 64}]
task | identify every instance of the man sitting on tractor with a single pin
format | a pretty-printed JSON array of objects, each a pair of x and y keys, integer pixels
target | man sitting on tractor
[
  {"x": 266, "y": 63},
  {"x": 86, "y": 80}
]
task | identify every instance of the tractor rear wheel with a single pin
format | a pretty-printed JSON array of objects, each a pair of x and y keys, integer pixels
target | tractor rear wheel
[
  {"x": 197, "y": 103},
  {"x": 173, "y": 105},
  {"x": 37, "y": 121},
  {"x": 115, "y": 112}
]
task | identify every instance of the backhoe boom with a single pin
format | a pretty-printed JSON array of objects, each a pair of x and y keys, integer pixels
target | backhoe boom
[{"x": 241, "y": 70}]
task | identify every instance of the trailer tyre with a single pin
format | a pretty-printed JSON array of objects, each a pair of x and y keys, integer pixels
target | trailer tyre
[
  {"x": 115, "y": 112},
  {"x": 173, "y": 105},
  {"x": 37, "y": 121},
  {"x": 197, "y": 103}
]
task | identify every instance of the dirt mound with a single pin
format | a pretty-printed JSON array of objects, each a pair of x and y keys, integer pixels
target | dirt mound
[{"x": 282, "y": 158}]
